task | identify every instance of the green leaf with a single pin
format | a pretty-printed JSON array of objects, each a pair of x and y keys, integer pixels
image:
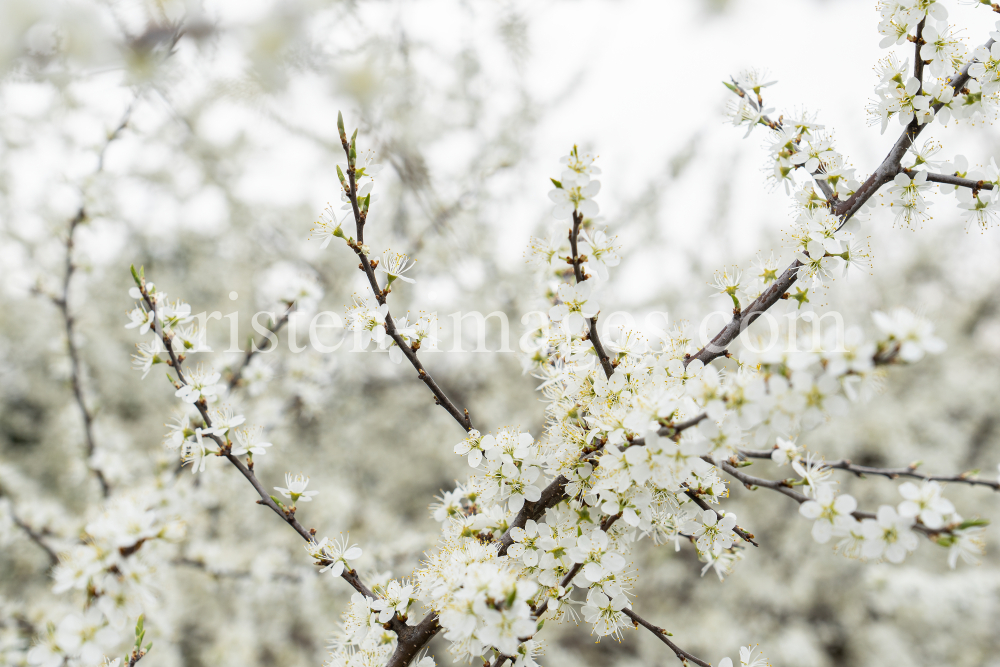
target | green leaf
[
  {"x": 340, "y": 126},
  {"x": 138, "y": 624},
  {"x": 730, "y": 87},
  {"x": 135, "y": 276},
  {"x": 149, "y": 646},
  {"x": 556, "y": 183},
  {"x": 340, "y": 175},
  {"x": 971, "y": 523}
]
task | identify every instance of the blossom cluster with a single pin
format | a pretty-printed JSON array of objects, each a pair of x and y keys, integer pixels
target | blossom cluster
[
  {"x": 637, "y": 436},
  {"x": 115, "y": 566},
  {"x": 640, "y": 453}
]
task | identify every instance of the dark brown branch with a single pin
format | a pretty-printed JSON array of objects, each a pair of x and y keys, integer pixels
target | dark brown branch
[
  {"x": 696, "y": 497},
  {"x": 820, "y": 182},
  {"x": 673, "y": 430},
  {"x": 461, "y": 416},
  {"x": 74, "y": 355},
  {"x": 885, "y": 172},
  {"x": 918, "y": 62},
  {"x": 412, "y": 639},
  {"x": 910, "y": 471},
  {"x": 137, "y": 655},
  {"x": 954, "y": 180},
  {"x": 661, "y": 634},
  {"x": 890, "y": 473},
  {"x": 574, "y": 236},
  {"x": 234, "y": 381},
  {"x": 606, "y": 523},
  {"x": 785, "y": 487}
]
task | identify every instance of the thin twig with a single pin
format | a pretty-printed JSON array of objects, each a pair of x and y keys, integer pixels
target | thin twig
[
  {"x": 69, "y": 320},
  {"x": 953, "y": 180},
  {"x": 784, "y": 487},
  {"x": 606, "y": 523},
  {"x": 696, "y": 497},
  {"x": 286, "y": 514},
  {"x": 35, "y": 537},
  {"x": 890, "y": 473},
  {"x": 574, "y": 236},
  {"x": 845, "y": 209},
  {"x": 440, "y": 397},
  {"x": 661, "y": 634},
  {"x": 918, "y": 62},
  {"x": 232, "y": 574}
]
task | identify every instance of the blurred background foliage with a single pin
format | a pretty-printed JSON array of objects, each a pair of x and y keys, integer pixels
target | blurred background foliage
[{"x": 229, "y": 155}]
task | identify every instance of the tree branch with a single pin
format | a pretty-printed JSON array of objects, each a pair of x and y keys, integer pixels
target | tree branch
[
  {"x": 286, "y": 514},
  {"x": 918, "y": 62},
  {"x": 785, "y": 488},
  {"x": 693, "y": 495},
  {"x": 662, "y": 635},
  {"x": 461, "y": 416},
  {"x": 63, "y": 304},
  {"x": 890, "y": 473},
  {"x": 35, "y": 537},
  {"x": 885, "y": 172},
  {"x": 574, "y": 236},
  {"x": 953, "y": 180}
]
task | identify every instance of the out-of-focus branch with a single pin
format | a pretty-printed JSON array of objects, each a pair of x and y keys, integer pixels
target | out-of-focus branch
[
  {"x": 663, "y": 636},
  {"x": 234, "y": 381},
  {"x": 69, "y": 321},
  {"x": 35, "y": 537},
  {"x": 235, "y": 574}
]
